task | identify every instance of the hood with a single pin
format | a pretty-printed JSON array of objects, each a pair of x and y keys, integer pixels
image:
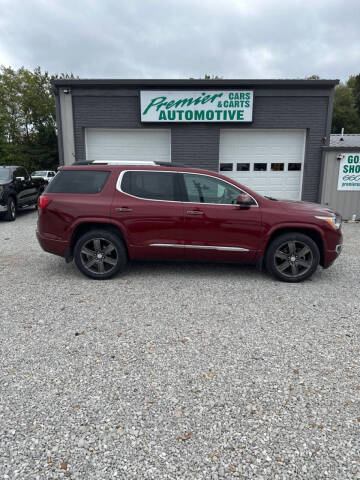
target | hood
[
  {"x": 5, "y": 182},
  {"x": 306, "y": 207}
]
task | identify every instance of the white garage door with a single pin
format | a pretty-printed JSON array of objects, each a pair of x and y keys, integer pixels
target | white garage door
[
  {"x": 128, "y": 144},
  {"x": 270, "y": 162}
]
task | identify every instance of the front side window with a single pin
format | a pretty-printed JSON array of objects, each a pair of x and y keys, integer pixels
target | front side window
[
  {"x": 205, "y": 189},
  {"x": 78, "y": 181},
  {"x": 151, "y": 185}
]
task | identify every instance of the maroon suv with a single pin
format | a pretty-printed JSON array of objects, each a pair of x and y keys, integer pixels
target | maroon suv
[{"x": 103, "y": 215}]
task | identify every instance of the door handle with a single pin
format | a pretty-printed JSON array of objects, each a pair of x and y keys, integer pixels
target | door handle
[
  {"x": 123, "y": 209},
  {"x": 194, "y": 212}
]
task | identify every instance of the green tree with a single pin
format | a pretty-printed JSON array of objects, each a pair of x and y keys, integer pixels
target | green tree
[
  {"x": 354, "y": 84},
  {"x": 27, "y": 119},
  {"x": 346, "y": 112}
]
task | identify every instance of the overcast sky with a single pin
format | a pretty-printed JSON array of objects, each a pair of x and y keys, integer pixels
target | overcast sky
[{"x": 183, "y": 38}]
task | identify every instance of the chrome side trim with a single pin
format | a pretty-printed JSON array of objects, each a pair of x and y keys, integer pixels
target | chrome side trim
[
  {"x": 201, "y": 247},
  {"x": 119, "y": 181}
]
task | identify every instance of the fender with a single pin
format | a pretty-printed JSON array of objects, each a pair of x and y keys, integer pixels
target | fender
[
  {"x": 105, "y": 220},
  {"x": 288, "y": 225}
]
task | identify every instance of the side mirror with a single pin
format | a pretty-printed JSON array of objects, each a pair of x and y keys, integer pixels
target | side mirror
[{"x": 244, "y": 200}]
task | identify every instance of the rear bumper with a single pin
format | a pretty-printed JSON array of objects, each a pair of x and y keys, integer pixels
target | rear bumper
[{"x": 51, "y": 245}]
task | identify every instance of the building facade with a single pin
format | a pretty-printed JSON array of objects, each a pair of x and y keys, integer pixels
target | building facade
[
  {"x": 268, "y": 135},
  {"x": 341, "y": 175}
]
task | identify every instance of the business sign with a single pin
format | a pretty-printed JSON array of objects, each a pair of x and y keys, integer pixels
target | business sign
[
  {"x": 349, "y": 172},
  {"x": 196, "y": 106}
]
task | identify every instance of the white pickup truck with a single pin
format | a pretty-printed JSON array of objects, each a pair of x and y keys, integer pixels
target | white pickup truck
[{"x": 46, "y": 175}]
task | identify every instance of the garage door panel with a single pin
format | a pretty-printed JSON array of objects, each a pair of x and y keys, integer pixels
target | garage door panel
[
  {"x": 260, "y": 146},
  {"x": 128, "y": 145}
]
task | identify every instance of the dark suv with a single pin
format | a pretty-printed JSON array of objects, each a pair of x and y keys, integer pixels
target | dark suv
[{"x": 103, "y": 215}]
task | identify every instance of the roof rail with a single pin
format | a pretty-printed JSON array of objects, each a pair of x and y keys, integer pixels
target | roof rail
[{"x": 130, "y": 162}]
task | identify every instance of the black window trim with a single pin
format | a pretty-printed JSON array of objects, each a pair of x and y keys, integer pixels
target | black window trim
[{"x": 182, "y": 188}]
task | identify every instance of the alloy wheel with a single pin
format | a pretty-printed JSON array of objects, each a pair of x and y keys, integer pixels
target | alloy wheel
[
  {"x": 99, "y": 256},
  {"x": 293, "y": 258}
]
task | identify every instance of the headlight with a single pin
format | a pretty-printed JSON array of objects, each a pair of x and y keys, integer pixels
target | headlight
[{"x": 335, "y": 222}]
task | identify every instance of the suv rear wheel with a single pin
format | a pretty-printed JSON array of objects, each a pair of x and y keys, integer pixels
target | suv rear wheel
[
  {"x": 100, "y": 254},
  {"x": 292, "y": 257}
]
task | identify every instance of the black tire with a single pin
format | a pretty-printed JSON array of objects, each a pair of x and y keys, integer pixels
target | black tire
[
  {"x": 100, "y": 254},
  {"x": 292, "y": 257},
  {"x": 10, "y": 214},
  {"x": 36, "y": 203}
]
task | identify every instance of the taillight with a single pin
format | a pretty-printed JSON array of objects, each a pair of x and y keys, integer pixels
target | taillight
[{"x": 43, "y": 202}]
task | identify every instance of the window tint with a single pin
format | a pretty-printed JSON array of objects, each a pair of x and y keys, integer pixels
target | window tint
[
  {"x": 81, "y": 181},
  {"x": 51, "y": 174},
  {"x": 204, "y": 189},
  {"x": 294, "y": 167},
  {"x": 20, "y": 172},
  {"x": 226, "y": 167},
  {"x": 260, "y": 167},
  {"x": 152, "y": 185},
  {"x": 277, "y": 167},
  {"x": 243, "y": 167}
]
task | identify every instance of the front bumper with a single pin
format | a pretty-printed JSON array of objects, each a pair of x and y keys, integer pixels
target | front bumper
[
  {"x": 3, "y": 208},
  {"x": 332, "y": 255}
]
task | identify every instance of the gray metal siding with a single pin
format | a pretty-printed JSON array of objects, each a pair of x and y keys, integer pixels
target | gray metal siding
[
  {"x": 198, "y": 144},
  {"x": 347, "y": 203}
]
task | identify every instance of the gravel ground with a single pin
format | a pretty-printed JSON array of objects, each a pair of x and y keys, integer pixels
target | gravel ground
[{"x": 176, "y": 371}]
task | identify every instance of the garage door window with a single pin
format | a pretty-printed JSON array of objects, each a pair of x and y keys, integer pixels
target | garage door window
[
  {"x": 260, "y": 167},
  {"x": 277, "y": 167},
  {"x": 294, "y": 167},
  {"x": 243, "y": 167},
  {"x": 151, "y": 185},
  {"x": 226, "y": 167}
]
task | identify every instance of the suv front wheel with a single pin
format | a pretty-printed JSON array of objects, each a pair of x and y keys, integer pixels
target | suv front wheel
[
  {"x": 292, "y": 257},
  {"x": 100, "y": 254}
]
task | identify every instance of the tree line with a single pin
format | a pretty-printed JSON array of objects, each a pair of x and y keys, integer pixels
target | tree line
[{"x": 28, "y": 133}]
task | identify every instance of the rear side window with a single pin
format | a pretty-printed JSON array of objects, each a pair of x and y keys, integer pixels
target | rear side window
[
  {"x": 151, "y": 185},
  {"x": 81, "y": 181}
]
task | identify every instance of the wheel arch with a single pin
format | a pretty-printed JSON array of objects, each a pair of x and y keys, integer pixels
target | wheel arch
[
  {"x": 313, "y": 233},
  {"x": 87, "y": 226},
  {"x": 12, "y": 194}
]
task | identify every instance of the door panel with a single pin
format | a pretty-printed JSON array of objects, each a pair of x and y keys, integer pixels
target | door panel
[
  {"x": 216, "y": 227},
  {"x": 226, "y": 228},
  {"x": 154, "y": 226},
  {"x": 26, "y": 190}
]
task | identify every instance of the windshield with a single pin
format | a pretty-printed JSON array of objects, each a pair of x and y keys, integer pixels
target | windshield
[
  {"x": 4, "y": 173},
  {"x": 39, "y": 173}
]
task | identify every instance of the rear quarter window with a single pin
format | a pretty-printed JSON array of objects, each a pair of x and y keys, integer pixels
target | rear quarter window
[
  {"x": 151, "y": 185},
  {"x": 81, "y": 181}
]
